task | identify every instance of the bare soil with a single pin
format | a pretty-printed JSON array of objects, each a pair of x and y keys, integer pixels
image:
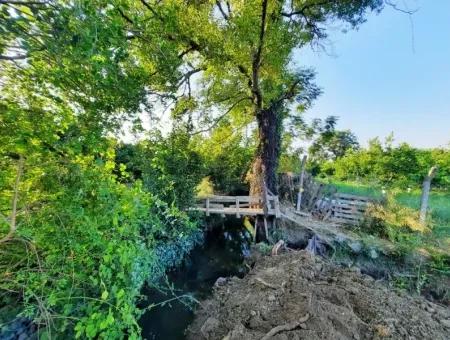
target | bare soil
[{"x": 299, "y": 296}]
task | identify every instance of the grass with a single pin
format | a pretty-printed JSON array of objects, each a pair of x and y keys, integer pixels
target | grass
[
  {"x": 358, "y": 189},
  {"x": 439, "y": 205}
]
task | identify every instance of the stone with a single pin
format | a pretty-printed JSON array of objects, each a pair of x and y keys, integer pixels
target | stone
[
  {"x": 221, "y": 281},
  {"x": 355, "y": 246}
]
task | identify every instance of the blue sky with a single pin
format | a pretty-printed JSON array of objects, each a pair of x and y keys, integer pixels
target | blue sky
[{"x": 389, "y": 77}]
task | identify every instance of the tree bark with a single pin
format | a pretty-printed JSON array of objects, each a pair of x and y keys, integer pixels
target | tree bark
[
  {"x": 426, "y": 193},
  {"x": 265, "y": 164}
]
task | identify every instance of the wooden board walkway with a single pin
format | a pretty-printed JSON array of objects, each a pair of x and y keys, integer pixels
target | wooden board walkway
[{"x": 239, "y": 205}]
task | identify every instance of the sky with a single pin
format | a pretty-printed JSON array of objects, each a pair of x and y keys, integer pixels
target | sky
[{"x": 390, "y": 75}]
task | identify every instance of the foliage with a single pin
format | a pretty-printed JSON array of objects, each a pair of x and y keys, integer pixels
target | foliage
[
  {"x": 205, "y": 188},
  {"x": 226, "y": 155},
  {"x": 385, "y": 164},
  {"x": 328, "y": 143},
  {"x": 168, "y": 167},
  {"x": 84, "y": 243},
  {"x": 79, "y": 244},
  {"x": 390, "y": 218}
]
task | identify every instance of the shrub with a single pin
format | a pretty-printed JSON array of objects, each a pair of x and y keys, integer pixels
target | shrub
[{"x": 84, "y": 246}]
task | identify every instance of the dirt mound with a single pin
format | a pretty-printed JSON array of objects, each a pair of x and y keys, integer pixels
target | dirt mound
[{"x": 299, "y": 296}]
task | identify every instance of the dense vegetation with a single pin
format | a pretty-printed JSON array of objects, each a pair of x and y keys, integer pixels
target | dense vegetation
[
  {"x": 86, "y": 219},
  {"x": 390, "y": 165}
]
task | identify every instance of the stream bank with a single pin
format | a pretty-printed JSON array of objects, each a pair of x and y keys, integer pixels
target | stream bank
[
  {"x": 221, "y": 254},
  {"x": 336, "y": 284},
  {"x": 297, "y": 295}
]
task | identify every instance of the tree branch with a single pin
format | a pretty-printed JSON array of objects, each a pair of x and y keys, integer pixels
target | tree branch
[
  {"x": 126, "y": 17},
  {"x": 23, "y": 3},
  {"x": 222, "y": 116},
  {"x": 256, "y": 64},
  {"x": 219, "y": 5},
  {"x": 14, "y": 57}
]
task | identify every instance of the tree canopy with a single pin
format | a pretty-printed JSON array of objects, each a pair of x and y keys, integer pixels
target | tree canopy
[{"x": 86, "y": 220}]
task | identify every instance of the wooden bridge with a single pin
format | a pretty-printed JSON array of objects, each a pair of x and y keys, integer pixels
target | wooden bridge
[{"x": 239, "y": 205}]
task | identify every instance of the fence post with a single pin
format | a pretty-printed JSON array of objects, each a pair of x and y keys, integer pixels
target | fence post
[
  {"x": 426, "y": 193},
  {"x": 300, "y": 187}
]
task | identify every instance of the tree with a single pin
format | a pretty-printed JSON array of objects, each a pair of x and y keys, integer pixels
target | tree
[
  {"x": 234, "y": 59},
  {"x": 241, "y": 54},
  {"x": 329, "y": 143}
]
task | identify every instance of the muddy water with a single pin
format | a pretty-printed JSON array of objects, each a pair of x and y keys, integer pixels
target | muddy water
[{"x": 221, "y": 255}]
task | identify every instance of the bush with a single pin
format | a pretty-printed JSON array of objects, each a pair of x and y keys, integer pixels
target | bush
[
  {"x": 84, "y": 246},
  {"x": 392, "y": 220},
  {"x": 168, "y": 167}
]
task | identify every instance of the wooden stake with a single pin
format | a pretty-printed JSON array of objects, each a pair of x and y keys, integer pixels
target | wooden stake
[
  {"x": 300, "y": 187},
  {"x": 266, "y": 229},
  {"x": 256, "y": 229}
]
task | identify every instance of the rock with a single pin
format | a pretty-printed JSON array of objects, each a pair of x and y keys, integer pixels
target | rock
[
  {"x": 209, "y": 327},
  {"x": 221, "y": 281},
  {"x": 271, "y": 298},
  {"x": 252, "y": 313},
  {"x": 355, "y": 246}
]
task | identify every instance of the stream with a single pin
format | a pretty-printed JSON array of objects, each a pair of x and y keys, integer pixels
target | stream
[{"x": 220, "y": 255}]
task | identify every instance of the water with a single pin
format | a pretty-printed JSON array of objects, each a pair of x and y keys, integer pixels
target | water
[{"x": 221, "y": 255}]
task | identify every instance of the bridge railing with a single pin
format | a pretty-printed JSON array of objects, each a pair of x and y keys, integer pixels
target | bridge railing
[{"x": 239, "y": 205}]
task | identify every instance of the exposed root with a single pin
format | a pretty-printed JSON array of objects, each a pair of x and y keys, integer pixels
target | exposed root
[
  {"x": 266, "y": 283},
  {"x": 284, "y": 328}
]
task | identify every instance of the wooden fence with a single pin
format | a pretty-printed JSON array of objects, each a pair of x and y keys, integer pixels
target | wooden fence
[{"x": 349, "y": 209}]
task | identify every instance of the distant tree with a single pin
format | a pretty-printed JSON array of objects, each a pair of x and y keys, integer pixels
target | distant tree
[{"x": 327, "y": 143}]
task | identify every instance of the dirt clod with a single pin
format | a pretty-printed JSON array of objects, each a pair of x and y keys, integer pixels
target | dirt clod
[{"x": 340, "y": 303}]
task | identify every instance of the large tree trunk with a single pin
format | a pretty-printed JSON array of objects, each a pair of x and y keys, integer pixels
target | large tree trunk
[{"x": 265, "y": 164}]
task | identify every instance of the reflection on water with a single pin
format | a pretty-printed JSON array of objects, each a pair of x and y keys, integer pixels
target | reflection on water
[{"x": 221, "y": 255}]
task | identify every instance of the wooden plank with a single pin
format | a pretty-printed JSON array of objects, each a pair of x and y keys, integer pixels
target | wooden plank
[
  {"x": 277, "y": 207},
  {"x": 237, "y": 208},
  {"x": 207, "y": 207},
  {"x": 348, "y": 196},
  {"x": 228, "y": 211},
  {"x": 231, "y": 199},
  {"x": 349, "y": 206},
  {"x": 354, "y": 203},
  {"x": 350, "y": 217}
]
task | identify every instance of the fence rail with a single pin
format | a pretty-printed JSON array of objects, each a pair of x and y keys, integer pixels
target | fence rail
[{"x": 239, "y": 205}]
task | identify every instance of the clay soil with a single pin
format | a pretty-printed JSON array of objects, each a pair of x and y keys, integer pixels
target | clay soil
[{"x": 299, "y": 296}]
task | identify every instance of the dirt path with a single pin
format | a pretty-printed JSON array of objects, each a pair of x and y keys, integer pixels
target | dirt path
[{"x": 299, "y": 296}]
